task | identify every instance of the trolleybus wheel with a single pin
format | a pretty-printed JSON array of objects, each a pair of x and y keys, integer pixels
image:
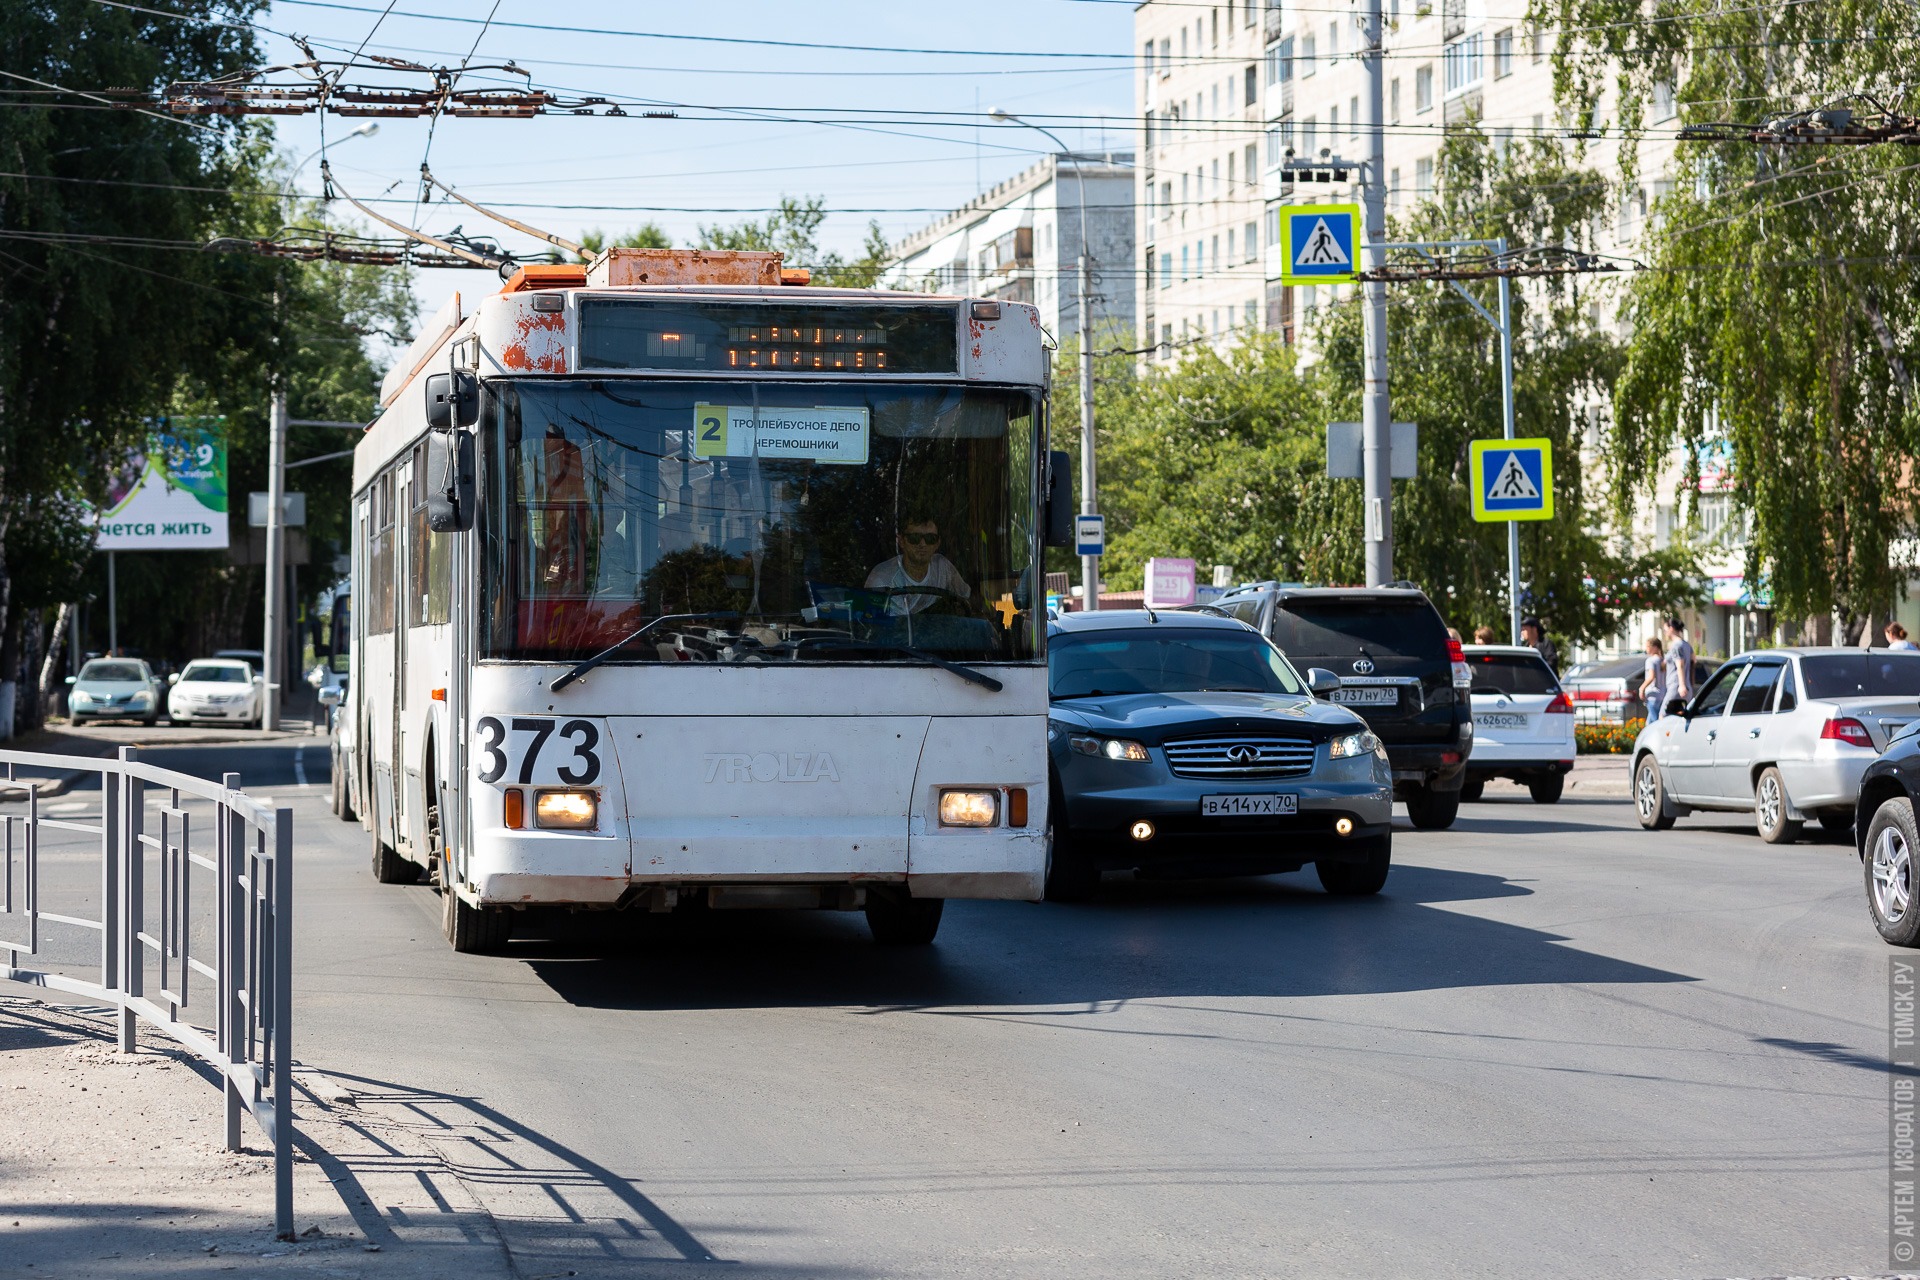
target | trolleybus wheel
[
  {"x": 898, "y": 920},
  {"x": 388, "y": 866},
  {"x": 471, "y": 929}
]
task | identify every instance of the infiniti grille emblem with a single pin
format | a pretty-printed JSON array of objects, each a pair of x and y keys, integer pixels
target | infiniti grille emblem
[
  {"x": 1241, "y": 753},
  {"x": 1363, "y": 665}
]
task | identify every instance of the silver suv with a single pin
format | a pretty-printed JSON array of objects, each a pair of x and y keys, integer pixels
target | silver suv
[{"x": 1783, "y": 733}]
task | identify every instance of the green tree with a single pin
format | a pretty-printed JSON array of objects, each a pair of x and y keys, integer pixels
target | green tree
[
  {"x": 648, "y": 235},
  {"x": 1776, "y": 328}
]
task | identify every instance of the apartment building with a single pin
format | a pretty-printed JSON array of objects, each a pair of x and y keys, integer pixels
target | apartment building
[
  {"x": 1020, "y": 240},
  {"x": 1201, "y": 108}
]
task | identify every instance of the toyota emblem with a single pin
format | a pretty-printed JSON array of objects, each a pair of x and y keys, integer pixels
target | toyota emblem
[
  {"x": 1363, "y": 665},
  {"x": 1241, "y": 753}
]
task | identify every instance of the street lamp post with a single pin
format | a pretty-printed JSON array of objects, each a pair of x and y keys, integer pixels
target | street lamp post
[
  {"x": 1089, "y": 565},
  {"x": 366, "y": 130}
]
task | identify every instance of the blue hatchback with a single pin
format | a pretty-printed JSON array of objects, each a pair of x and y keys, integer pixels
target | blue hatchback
[{"x": 1185, "y": 744}]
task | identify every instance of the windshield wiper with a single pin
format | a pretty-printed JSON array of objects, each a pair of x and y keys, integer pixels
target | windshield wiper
[
  {"x": 968, "y": 674},
  {"x": 597, "y": 659}
]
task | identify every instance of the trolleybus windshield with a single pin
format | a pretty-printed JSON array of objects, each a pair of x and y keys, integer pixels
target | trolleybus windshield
[{"x": 759, "y": 522}]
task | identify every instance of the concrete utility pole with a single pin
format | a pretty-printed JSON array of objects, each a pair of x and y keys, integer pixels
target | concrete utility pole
[
  {"x": 270, "y": 642},
  {"x": 1089, "y": 565},
  {"x": 1375, "y": 418}
]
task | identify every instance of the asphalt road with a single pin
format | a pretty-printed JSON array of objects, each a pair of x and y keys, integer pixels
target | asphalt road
[{"x": 1555, "y": 1046}]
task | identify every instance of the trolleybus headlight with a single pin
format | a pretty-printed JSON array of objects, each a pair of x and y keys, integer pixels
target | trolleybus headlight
[
  {"x": 969, "y": 808},
  {"x": 566, "y": 810}
]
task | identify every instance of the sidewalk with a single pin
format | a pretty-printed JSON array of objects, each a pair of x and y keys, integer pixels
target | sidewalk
[{"x": 113, "y": 1165}]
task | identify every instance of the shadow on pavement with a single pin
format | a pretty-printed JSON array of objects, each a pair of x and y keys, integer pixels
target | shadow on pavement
[{"x": 1273, "y": 936}]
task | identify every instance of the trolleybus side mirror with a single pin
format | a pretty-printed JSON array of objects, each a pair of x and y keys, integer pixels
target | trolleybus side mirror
[
  {"x": 453, "y": 400},
  {"x": 449, "y": 481},
  {"x": 1059, "y": 521}
]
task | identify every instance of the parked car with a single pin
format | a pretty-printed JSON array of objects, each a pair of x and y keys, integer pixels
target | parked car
[
  {"x": 1887, "y": 839},
  {"x": 1608, "y": 692},
  {"x": 1398, "y": 669},
  {"x": 114, "y": 689},
  {"x": 1784, "y": 733},
  {"x": 1522, "y": 723},
  {"x": 223, "y": 690},
  {"x": 1187, "y": 744}
]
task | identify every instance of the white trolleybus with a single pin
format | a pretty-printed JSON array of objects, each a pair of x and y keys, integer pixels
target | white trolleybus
[{"x": 676, "y": 582}]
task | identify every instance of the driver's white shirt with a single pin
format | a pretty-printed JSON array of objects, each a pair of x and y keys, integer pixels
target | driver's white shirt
[{"x": 940, "y": 573}]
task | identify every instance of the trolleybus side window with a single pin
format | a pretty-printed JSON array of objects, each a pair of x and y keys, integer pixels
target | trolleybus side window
[
  {"x": 429, "y": 557},
  {"x": 380, "y": 536},
  {"x": 780, "y": 512}
]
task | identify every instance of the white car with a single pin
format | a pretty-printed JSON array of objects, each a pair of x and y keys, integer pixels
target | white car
[
  {"x": 1522, "y": 722},
  {"x": 1784, "y": 734},
  {"x": 216, "y": 690}
]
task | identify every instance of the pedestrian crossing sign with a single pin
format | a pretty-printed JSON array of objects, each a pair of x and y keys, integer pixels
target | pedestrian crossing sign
[
  {"x": 1319, "y": 243},
  {"x": 1512, "y": 479}
]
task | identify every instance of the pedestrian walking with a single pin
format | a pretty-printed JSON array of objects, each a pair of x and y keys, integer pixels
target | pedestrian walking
[
  {"x": 1535, "y": 636},
  {"x": 1897, "y": 637},
  {"x": 1653, "y": 688},
  {"x": 1679, "y": 661}
]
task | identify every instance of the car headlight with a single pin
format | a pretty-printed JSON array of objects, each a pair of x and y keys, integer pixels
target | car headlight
[
  {"x": 1111, "y": 748},
  {"x": 566, "y": 810},
  {"x": 1353, "y": 744},
  {"x": 969, "y": 808}
]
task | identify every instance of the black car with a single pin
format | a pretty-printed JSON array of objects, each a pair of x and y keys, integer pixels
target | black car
[
  {"x": 1888, "y": 838},
  {"x": 1398, "y": 668},
  {"x": 1186, "y": 744}
]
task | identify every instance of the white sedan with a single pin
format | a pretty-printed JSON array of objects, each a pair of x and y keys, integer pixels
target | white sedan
[
  {"x": 1522, "y": 722},
  {"x": 216, "y": 690}
]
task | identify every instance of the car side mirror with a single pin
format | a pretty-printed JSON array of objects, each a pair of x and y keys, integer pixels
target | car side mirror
[
  {"x": 330, "y": 697},
  {"x": 1321, "y": 682},
  {"x": 73, "y": 679},
  {"x": 1677, "y": 707},
  {"x": 453, "y": 400},
  {"x": 449, "y": 481},
  {"x": 1059, "y": 513},
  {"x": 172, "y": 679}
]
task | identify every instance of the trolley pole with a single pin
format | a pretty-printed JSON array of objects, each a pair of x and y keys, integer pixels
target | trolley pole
[
  {"x": 270, "y": 644},
  {"x": 1375, "y": 417}
]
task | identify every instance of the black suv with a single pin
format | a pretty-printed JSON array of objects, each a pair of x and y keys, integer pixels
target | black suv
[{"x": 1398, "y": 668}]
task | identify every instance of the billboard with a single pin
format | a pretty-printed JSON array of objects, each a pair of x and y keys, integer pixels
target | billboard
[
  {"x": 1170, "y": 583},
  {"x": 172, "y": 494}
]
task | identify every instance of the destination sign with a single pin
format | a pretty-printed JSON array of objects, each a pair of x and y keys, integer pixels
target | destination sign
[
  {"x": 822, "y": 434},
  {"x": 740, "y": 337}
]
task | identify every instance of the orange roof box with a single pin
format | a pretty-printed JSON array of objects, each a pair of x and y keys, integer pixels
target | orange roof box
[
  {"x": 685, "y": 266},
  {"x": 546, "y": 275}
]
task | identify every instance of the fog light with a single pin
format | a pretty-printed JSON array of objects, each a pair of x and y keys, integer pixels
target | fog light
[
  {"x": 566, "y": 810},
  {"x": 1343, "y": 826},
  {"x": 1142, "y": 830},
  {"x": 969, "y": 808}
]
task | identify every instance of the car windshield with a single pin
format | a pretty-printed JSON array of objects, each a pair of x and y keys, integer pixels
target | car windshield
[
  {"x": 1511, "y": 673},
  {"x": 214, "y": 673},
  {"x": 761, "y": 520},
  {"x": 1337, "y": 627},
  {"x": 1155, "y": 660},
  {"x": 112, "y": 671},
  {"x": 1862, "y": 675}
]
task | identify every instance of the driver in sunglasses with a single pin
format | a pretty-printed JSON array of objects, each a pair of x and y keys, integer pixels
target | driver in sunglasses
[{"x": 919, "y": 564}]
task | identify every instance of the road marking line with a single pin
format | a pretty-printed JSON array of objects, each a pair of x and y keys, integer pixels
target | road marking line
[{"x": 300, "y": 765}]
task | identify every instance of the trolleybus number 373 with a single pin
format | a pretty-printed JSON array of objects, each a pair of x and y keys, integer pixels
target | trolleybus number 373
[{"x": 582, "y": 733}]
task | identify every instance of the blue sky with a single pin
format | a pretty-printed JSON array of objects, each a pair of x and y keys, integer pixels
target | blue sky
[{"x": 729, "y": 152}]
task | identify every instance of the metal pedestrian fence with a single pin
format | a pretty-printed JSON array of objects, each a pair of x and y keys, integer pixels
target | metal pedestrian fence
[{"x": 192, "y": 902}]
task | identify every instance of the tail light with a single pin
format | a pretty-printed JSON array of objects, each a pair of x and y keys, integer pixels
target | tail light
[
  {"x": 1559, "y": 706},
  {"x": 1462, "y": 673},
  {"x": 1847, "y": 729}
]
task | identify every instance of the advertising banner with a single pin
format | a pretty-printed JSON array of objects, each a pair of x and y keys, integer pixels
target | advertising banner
[
  {"x": 171, "y": 495},
  {"x": 1170, "y": 583}
]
